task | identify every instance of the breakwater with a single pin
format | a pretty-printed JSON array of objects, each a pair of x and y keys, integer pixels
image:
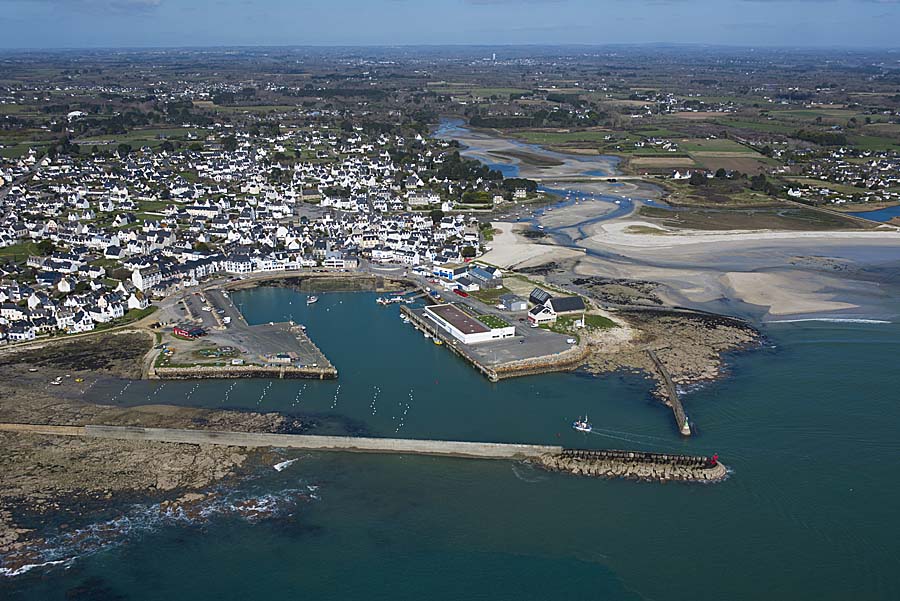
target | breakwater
[
  {"x": 681, "y": 420},
  {"x": 634, "y": 465}
]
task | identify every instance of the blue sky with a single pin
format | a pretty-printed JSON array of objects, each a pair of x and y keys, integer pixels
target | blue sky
[{"x": 151, "y": 23}]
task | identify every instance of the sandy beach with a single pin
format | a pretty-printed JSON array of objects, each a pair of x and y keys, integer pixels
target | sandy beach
[
  {"x": 509, "y": 249},
  {"x": 637, "y": 234}
]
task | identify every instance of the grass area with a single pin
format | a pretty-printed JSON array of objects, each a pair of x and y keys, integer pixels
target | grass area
[
  {"x": 492, "y": 321},
  {"x": 216, "y": 353},
  {"x": 566, "y": 324},
  {"x": 491, "y": 296},
  {"x": 763, "y": 218},
  {"x": 692, "y": 145},
  {"x": 20, "y": 252},
  {"x": 130, "y": 317},
  {"x": 550, "y": 137},
  {"x": 152, "y": 205},
  {"x": 772, "y": 127},
  {"x": 716, "y": 193}
]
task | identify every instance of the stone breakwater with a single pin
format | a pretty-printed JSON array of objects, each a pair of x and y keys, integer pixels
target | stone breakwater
[{"x": 633, "y": 465}]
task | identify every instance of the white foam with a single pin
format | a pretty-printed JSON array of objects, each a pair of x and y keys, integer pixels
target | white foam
[
  {"x": 283, "y": 465},
  {"x": 28, "y": 567},
  {"x": 832, "y": 320}
]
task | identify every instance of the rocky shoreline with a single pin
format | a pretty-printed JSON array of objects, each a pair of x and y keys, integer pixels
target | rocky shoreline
[
  {"x": 46, "y": 476},
  {"x": 691, "y": 345}
]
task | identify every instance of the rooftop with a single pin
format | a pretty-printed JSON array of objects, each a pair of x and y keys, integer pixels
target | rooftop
[{"x": 458, "y": 318}]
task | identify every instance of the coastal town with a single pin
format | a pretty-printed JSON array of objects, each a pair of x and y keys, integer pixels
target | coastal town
[
  {"x": 94, "y": 240},
  {"x": 242, "y": 268}
]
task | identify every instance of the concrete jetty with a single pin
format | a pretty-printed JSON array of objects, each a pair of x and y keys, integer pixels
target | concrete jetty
[
  {"x": 635, "y": 465},
  {"x": 681, "y": 420},
  {"x": 446, "y": 448}
]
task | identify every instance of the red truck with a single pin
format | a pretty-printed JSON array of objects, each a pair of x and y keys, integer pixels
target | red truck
[{"x": 462, "y": 293}]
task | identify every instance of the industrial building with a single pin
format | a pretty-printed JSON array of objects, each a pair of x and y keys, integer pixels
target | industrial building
[{"x": 465, "y": 327}]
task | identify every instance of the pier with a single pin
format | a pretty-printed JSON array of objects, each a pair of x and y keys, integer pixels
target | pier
[
  {"x": 681, "y": 420},
  {"x": 445, "y": 448},
  {"x": 634, "y": 465}
]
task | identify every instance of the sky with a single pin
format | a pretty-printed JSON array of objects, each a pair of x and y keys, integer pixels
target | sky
[{"x": 181, "y": 23}]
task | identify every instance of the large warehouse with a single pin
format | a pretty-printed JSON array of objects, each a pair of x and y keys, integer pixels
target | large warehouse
[{"x": 465, "y": 327}]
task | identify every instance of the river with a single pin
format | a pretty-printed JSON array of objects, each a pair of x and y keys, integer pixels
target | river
[{"x": 808, "y": 425}]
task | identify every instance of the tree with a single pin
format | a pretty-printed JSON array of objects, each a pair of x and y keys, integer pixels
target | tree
[
  {"x": 469, "y": 252},
  {"x": 697, "y": 179},
  {"x": 46, "y": 247},
  {"x": 123, "y": 149},
  {"x": 721, "y": 173},
  {"x": 167, "y": 146},
  {"x": 759, "y": 183},
  {"x": 436, "y": 215},
  {"x": 230, "y": 143}
]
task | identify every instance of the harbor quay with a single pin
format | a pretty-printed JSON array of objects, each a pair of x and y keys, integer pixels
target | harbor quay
[{"x": 226, "y": 346}]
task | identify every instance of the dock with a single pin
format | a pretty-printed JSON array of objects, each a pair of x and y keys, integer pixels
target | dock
[
  {"x": 681, "y": 420},
  {"x": 568, "y": 359}
]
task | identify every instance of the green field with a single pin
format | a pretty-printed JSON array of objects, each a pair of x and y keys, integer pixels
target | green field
[
  {"x": 717, "y": 145},
  {"x": 550, "y": 137}
]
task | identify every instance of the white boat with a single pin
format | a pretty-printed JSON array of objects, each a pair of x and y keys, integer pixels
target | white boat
[
  {"x": 312, "y": 299},
  {"x": 582, "y": 425}
]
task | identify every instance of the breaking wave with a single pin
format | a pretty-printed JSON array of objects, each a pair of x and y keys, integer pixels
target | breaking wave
[
  {"x": 832, "y": 320},
  {"x": 65, "y": 548}
]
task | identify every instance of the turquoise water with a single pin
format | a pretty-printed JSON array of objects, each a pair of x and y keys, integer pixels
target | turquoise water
[{"x": 808, "y": 424}]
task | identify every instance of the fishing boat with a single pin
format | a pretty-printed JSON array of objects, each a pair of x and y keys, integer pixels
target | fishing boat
[
  {"x": 312, "y": 299},
  {"x": 582, "y": 425}
]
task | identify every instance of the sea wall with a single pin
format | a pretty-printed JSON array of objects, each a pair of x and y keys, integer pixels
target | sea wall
[{"x": 563, "y": 361}]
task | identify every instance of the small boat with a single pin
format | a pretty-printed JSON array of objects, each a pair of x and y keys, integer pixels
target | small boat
[
  {"x": 79, "y": 380},
  {"x": 426, "y": 334},
  {"x": 312, "y": 299},
  {"x": 57, "y": 381},
  {"x": 438, "y": 342},
  {"x": 582, "y": 425},
  {"x": 32, "y": 369}
]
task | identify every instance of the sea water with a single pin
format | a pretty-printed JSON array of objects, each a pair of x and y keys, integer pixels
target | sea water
[{"x": 808, "y": 424}]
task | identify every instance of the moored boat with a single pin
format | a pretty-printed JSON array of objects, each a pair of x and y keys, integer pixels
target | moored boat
[{"x": 312, "y": 299}]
